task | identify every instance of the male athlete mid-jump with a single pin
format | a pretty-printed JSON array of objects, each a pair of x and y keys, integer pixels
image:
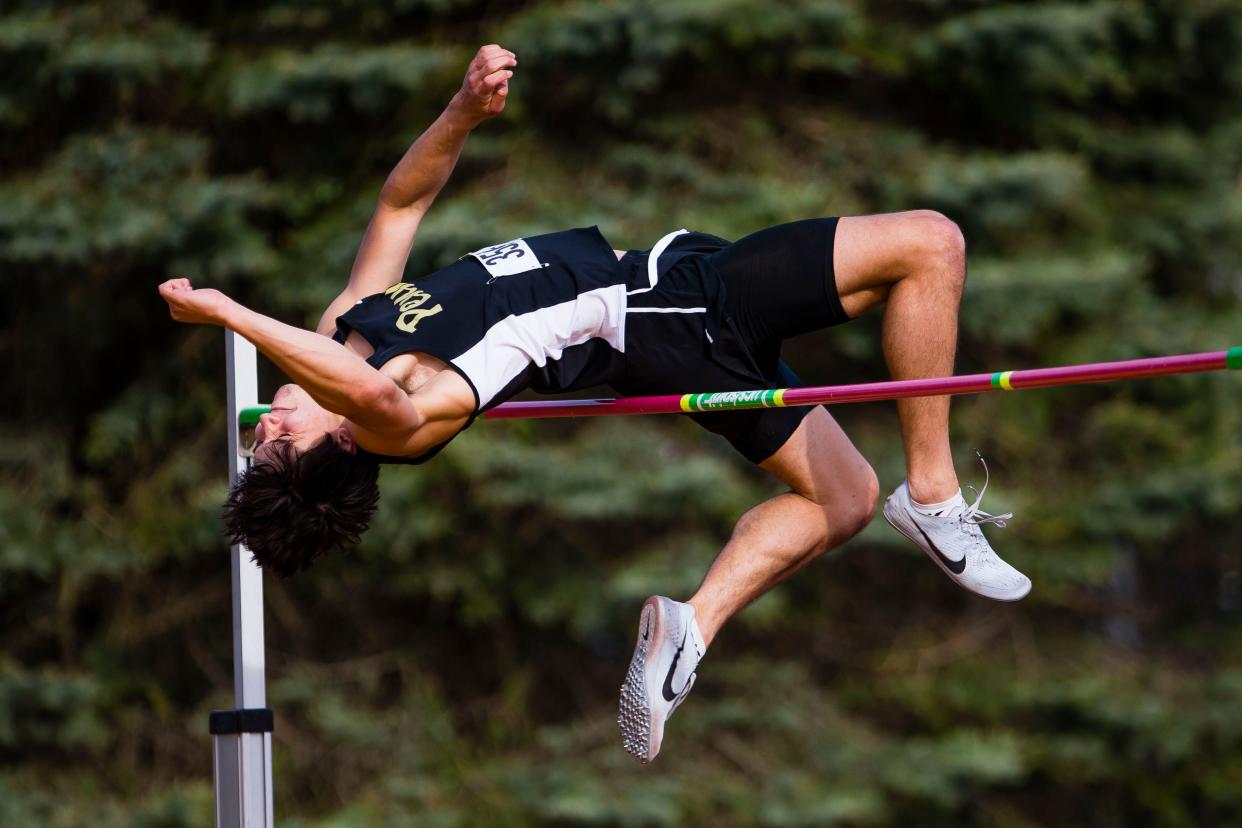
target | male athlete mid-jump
[{"x": 396, "y": 369}]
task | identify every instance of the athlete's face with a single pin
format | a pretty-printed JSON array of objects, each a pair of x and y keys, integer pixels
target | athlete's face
[{"x": 297, "y": 419}]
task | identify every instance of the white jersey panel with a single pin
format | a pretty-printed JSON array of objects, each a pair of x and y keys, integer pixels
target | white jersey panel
[{"x": 513, "y": 344}]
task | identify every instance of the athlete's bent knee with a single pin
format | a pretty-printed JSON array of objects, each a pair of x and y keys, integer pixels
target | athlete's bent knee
[
  {"x": 852, "y": 512},
  {"x": 943, "y": 245}
]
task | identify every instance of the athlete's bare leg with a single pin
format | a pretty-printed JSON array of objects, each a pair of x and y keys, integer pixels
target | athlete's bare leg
[
  {"x": 915, "y": 262},
  {"x": 833, "y": 494}
]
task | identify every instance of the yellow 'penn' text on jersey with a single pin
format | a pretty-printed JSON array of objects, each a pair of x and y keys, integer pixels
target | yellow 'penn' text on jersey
[{"x": 410, "y": 301}]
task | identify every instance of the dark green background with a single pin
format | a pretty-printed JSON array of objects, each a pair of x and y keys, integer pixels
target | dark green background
[{"x": 462, "y": 667}]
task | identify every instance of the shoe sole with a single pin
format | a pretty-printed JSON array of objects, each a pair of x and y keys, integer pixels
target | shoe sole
[
  {"x": 634, "y": 716},
  {"x": 952, "y": 576}
]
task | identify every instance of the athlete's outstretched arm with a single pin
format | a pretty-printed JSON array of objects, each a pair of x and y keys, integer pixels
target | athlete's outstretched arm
[
  {"x": 335, "y": 377},
  {"x": 418, "y": 178}
]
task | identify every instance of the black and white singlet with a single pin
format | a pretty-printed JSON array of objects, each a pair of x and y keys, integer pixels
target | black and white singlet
[{"x": 543, "y": 312}]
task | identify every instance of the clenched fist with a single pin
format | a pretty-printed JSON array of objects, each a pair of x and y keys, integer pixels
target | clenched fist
[
  {"x": 486, "y": 85},
  {"x": 185, "y": 304}
]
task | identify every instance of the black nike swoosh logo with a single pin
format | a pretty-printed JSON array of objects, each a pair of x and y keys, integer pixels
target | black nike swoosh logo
[
  {"x": 956, "y": 567},
  {"x": 669, "y": 695}
]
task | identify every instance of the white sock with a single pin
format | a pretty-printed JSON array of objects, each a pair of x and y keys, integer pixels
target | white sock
[{"x": 937, "y": 509}]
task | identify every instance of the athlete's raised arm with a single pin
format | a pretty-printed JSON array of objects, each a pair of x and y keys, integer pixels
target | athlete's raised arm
[{"x": 418, "y": 178}]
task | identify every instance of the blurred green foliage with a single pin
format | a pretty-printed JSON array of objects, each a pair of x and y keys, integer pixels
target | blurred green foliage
[{"x": 460, "y": 669}]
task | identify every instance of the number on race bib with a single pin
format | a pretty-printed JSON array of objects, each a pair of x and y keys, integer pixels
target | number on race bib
[{"x": 508, "y": 259}]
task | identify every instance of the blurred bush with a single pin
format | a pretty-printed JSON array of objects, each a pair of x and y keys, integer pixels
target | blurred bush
[{"x": 460, "y": 668}]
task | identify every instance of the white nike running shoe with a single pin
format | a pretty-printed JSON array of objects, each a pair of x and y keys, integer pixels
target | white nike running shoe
[
  {"x": 952, "y": 538},
  {"x": 661, "y": 674}
]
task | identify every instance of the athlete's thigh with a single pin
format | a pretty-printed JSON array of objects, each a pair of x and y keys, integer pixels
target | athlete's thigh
[
  {"x": 820, "y": 462},
  {"x": 871, "y": 252}
]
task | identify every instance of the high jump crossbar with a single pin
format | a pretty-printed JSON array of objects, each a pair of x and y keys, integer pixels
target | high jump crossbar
[
  {"x": 858, "y": 392},
  {"x": 872, "y": 391}
]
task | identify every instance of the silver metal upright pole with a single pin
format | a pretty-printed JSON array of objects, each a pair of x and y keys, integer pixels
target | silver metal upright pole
[{"x": 242, "y": 738}]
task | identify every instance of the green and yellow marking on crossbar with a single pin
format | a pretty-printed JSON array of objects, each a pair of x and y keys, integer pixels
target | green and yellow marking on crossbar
[
  {"x": 1001, "y": 380},
  {"x": 726, "y": 400}
]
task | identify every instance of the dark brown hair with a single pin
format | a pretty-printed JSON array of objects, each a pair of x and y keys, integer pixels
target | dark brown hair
[{"x": 298, "y": 505}]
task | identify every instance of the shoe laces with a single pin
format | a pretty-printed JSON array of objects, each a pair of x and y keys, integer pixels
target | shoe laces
[{"x": 973, "y": 514}]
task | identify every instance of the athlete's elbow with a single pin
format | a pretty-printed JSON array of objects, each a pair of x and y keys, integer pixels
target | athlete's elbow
[
  {"x": 375, "y": 394},
  {"x": 385, "y": 408}
]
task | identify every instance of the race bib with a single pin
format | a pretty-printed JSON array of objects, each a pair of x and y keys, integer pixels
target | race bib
[{"x": 508, "y": 259}]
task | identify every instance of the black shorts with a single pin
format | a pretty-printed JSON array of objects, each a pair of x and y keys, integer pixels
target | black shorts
[{"x": 777, "y": 283}]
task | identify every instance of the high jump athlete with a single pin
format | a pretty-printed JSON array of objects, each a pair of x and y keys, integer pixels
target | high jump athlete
[{"x": 396, "y": 369}]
